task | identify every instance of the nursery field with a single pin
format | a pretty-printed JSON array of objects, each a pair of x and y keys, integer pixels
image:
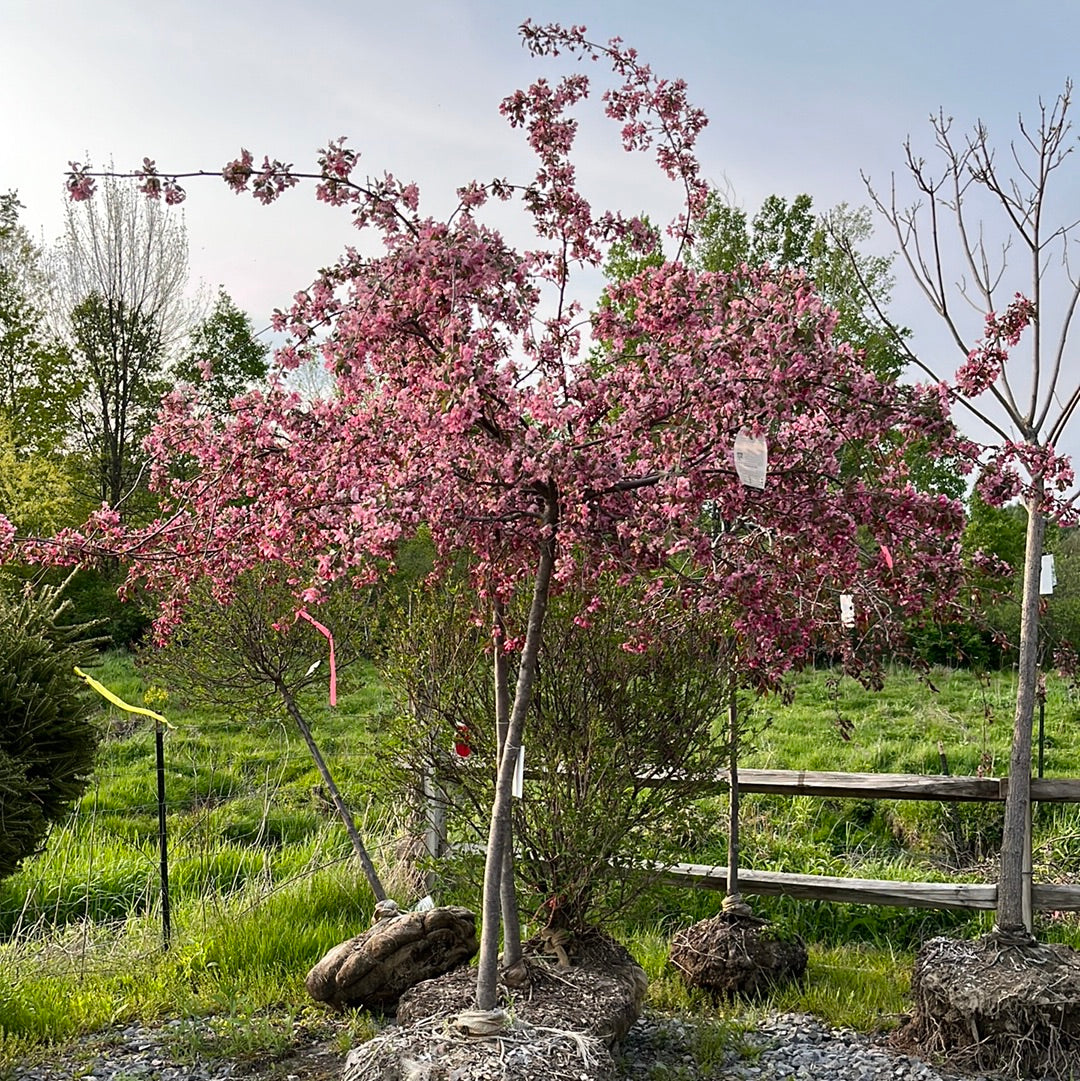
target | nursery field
[{"x": 263, "y": 879}]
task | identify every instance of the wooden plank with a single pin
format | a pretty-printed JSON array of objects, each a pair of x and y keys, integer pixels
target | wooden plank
[
  {"x": 1055, "y": 898},
  {"x": 1050, "y": 789},
  {"x": 915, "y": 786},
  {"x": 870, "y": 785},
  {"x": 852, "y": 785},
  {"x": 863, "y": 891}
]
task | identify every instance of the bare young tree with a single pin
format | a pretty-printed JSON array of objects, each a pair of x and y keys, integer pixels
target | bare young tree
[
  {"x": 990, "y": 250},
  {"x": 119, "y": 275}
]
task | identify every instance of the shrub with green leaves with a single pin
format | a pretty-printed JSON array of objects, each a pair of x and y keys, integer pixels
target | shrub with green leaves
[
  {"x": 47, "y": 741},
  {"x": 607, "y": 712}
]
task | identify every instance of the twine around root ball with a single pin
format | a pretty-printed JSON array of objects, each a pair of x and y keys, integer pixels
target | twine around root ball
[{"x": 518, "y": 1049}]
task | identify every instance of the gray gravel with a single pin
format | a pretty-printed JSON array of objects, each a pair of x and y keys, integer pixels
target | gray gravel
[{"x": 657, "y": 1049}]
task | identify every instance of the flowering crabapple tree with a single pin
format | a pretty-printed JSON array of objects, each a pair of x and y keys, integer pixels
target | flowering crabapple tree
[
  {"x": 475, "y": 395},
  {"x": 1026, "y": 407}
]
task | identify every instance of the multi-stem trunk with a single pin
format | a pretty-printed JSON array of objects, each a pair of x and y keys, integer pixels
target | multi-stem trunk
[
  {"x": 508, "y": 894},
  {"x": 339, "y": 803},
  {"x": 488, "y": 965},
  {"x": 1012, "y": 886}
]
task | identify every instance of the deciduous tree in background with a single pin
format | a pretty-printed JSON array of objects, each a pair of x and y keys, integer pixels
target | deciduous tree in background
[
  {"x": 37, "y": 392},
  {"x": 118, "y": 278},
  {"x": 982, "y": 244},
  {"x": 465, "y": 400},
  {"x": 224, "y": 355}
]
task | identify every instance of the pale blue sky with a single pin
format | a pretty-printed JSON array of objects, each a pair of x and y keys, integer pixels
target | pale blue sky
[{"x": 801, "y": 96}]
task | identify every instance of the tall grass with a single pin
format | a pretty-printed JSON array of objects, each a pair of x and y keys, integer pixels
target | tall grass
[{"x": 262, "y": 880}]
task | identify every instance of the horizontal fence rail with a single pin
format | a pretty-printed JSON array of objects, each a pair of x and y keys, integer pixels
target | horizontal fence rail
[
  {"x": 866, "y": 891},
  {"x": 791, "y": 782}
]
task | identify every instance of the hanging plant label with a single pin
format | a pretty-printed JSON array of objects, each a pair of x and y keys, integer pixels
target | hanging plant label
[
  {"x": 1047, "y": 575},
  {"x": 847, "y": 609},
  {"x": 751, "y": 459}
]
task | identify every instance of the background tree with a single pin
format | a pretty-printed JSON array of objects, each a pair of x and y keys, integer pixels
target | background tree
[
  {"x": 37, "y": 392},
  {"x": 223, "y": 355},
  {"x": 118, "y": 278},
  {"x": 47, "y": 741},
  {"x": 988, "y": 292},
  {"x": 830, "y": 249}
]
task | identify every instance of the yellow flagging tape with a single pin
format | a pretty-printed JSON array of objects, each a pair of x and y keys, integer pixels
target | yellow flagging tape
[{"x": 116, "y": 701}]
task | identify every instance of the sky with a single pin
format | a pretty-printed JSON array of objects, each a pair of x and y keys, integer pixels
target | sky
[{"x": 802, "y": 95}]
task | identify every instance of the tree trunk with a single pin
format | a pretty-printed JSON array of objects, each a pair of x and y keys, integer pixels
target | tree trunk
[
  {"x": 1013, "y": 887},
  {"x": 488, "y": 965},
  {"x": 339, "y": 803},
  {"x": 732, "y": 893},
  {"x": 508, "y": 894}
]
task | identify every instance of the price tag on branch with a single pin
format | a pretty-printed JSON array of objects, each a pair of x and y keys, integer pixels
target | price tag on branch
[
  {"x": 1047, "y": 575},
  {"x": 751, "y": 459},
  {"x": 847, "y": 610}
]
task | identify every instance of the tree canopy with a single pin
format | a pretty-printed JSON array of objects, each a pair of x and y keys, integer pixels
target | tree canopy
[{"x": 466, "y": 401}]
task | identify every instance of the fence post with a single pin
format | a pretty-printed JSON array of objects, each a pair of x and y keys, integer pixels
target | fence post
[{"x": 435, "y": 817}]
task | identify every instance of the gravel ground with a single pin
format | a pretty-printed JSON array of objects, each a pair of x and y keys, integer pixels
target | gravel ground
[{"x": 657, "y": 1049}]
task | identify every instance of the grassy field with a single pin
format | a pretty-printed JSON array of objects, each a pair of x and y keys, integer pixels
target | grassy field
[{"x": 262, "y": 878}]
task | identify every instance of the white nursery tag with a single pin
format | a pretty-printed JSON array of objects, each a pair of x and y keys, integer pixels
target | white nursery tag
[
  {"x": 518, "y": 787},
  {"x": 751, "y": 459},
  {"x": 847, "y": 609},
  {"x": 1047, "y": 575}
]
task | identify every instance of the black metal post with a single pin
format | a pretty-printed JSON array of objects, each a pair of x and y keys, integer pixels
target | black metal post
[{"x": 166, "y": 926}]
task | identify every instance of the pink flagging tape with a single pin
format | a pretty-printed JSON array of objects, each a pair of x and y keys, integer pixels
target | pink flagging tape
[{"x": 325, "y": 632}]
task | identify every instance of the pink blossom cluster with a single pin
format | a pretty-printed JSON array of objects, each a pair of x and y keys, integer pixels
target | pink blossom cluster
[
  {"x": 153, "y": 185},
  {"x": 473, "y": 396},
  {"x": 986, "y": 361}
]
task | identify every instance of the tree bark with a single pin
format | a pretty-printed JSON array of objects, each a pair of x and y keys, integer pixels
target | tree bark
[
  {"x": 1012, "y": 886},
  {"x": 733, "y": 801},
  {"x": 511, "y": 922},
  {"x": 339, "y": 803},
  {"x": 487, "y": 967}
]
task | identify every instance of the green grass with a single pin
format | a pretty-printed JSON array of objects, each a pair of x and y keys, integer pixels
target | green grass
[{"x": 262, "y": 881}]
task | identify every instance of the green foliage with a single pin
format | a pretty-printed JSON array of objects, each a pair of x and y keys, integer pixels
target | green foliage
[
  {"x": 47, "y": 742},
  {"x": 36, "y": 489},
  {"x": 830, "y": 250},
  {"x": 120, "y": 349},
  {"x": 602, "y": 717},
  {"x": 37, "y": 392},
  {"x": 225, "y": 346},
  {"x": 1001, "y": 532}
]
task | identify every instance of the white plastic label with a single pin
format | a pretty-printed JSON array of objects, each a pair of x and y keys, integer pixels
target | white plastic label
[
  {"x": 847, "y": 609},
  {"x": 1047, "y": 575},
  {"x": 518, "y": 788},
  {"x": 751, "y": 459}
]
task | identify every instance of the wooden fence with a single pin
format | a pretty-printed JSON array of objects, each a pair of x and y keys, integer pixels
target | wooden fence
[
  {"x": 1038, "y": 898},
  {"x": 867, "y": 891}
]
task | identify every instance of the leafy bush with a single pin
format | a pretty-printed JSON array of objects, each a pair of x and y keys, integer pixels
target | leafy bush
[
  {"x": 589, "y": 826},
  {"x": 47, "y": 742}
]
